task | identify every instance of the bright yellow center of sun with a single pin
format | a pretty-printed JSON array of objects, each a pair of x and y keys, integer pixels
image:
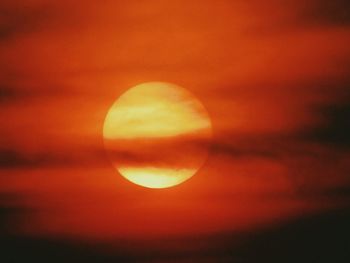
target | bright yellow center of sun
[{"x": 157, "y": 134}]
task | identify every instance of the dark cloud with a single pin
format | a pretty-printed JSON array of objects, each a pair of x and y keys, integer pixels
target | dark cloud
[
  {"x": 317, "y": 238},
  {"x": 320, "y": 238},
  {"x": 250, "y": 147},
  {"x": 15, "y": 21},
  {"x": 336, "y": 129},
  {"x": 34, "y": 91},
  {"x": 16, "y": 249},
  {"x": 16, "y": 159},
  {"x": 86, "y": 156},
  {"x": 6, "y": 94},
  {"x": 301, "y": 16},
  {"x": 12, "y": 212},
  {"x": 323, "y": 12},
  {"x": 12, "y": 94},
  {"x": 339, "y": 192}
]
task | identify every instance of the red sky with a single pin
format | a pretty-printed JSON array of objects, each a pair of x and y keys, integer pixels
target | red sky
[{"x": 273, "y": 75}]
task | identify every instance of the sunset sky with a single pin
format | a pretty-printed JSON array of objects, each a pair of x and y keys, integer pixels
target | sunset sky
[{"x": 274, "y": 77}]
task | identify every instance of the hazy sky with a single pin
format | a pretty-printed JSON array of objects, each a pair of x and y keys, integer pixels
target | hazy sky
[{"x": 273, "y": 75}]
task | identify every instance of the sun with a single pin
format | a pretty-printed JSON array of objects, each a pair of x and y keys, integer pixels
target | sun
[{"x": 157, "y": 134}]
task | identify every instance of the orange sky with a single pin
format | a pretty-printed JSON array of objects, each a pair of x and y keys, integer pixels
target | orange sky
[{"x": 273, "y": 75}]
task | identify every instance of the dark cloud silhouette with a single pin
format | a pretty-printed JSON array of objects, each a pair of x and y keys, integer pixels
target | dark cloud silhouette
[
  {"x": 336, "y": 130},
  {"x": 11, "y": 95},
  {"x": 18, "y": 94},
  {"x": 339, "y": 192},
  {"x": 18, "y": 248},
  {"x": 75, "y": 156},
  {"x": 16, "y": 21},
  {"x": 322, "y": 237},
  {"x": 323, "y": 12},
  {"x": 318, "y": 238}
]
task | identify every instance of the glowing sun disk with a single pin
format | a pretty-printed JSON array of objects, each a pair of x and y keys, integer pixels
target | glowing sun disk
[
  {"x": 151, "y": 110},
  {"x": 143, "y": 120},
  {"x": 152, "y": 177}
]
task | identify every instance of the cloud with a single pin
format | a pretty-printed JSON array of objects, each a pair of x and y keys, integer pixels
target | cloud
[
  {"x": 318, "y": 237},
  {"x": 15, "y": 21},
  {"x": 336, "y": 127},
  {"x": 321, "y": 237},
  {"x": 327, "y": 13}
]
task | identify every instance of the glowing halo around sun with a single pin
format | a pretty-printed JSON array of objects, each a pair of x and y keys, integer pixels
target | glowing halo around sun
[{"x": 157, "y": 134}]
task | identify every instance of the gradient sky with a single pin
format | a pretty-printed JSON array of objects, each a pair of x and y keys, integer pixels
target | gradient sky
[{"x": 274, "y": 77}]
